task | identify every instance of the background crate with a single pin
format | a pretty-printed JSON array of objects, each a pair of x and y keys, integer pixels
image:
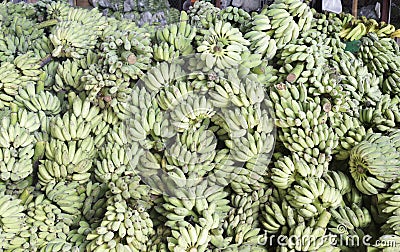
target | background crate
[
  {"x": 177, "y": 4},
  {"x": 82, "y": 3}
]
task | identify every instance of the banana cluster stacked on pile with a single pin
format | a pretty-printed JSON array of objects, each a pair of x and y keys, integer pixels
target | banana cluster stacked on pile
[{"x": 209, "y": 134}]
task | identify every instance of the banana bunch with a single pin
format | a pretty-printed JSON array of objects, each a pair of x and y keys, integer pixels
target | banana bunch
[
  {"x": 310, "y": 197},
  {"x": 373, "y": 163},
  {"x": 33, "y": 101},
  {"x": 196, "y": 155},
  {"x": 390, "y": 83},
  {"x": 338, "y": 180},
  {"x": 202, "y": 14},
  {"x": 379, "y": 54},
  {"x": 241, "y": 224},
  {"x": 304, "y": 64},
  {"x": 386, "y": 239},
  {"x": 242, "y": 179},
  {"x": 130, "y": 227},
  {"x": 191, "y": 237},
  {"x": 48, "y": 225},
  {"x": 114, "y": 157},
  {"x": 327, "y": 23},
  {"x": 94, "y": 204},
  {"x": 101, "y": 130},
  {"x": 288, "y": 169},
  {"x": 243, "y": 234},
  {"x": 283, "y": 15},
  {"x": 177, "y": 38},
  {"x": 333, "y": 41},
  {"x": 261, "y": 42},
  {"x": 317, "y": 230},
  {"x": 354, "y": 197},
  {"x": 346, "y": 18},
  {"x": 278, "y": 217},
  {"x": 10, "y": 45},
  {"x": 56, "y": 9},
  {"x": 384, "y": 30},
  {"x": 29, "y": 68},
  {"x": 62, "y": 194},
  {"x": 126, "y": 53},
  {"x": 13, "y": 223},
  {"x": 303, "y": 125},
  {"x": 307, "y": 63},
  {"x": 157, "y": 79},
  {"x": 8, "y": 9},
  {"x": 68, "y": 75},
  {"x": 388, "y": 206},
  {"x": 350, "y": 132},
  {"x": 70, "y": 39},
  {"x": 250, "y": 62},
  {"x": 11, "y": 81},
  {"x": 71, "y": 160},
  {"x": 222, "y": 46},
  {"x": 240, "y": 92},
  {"x": 21, "y": 189},
  {"x": 348, "y": 223},
  {"x": 250, "y": 147},
  {"x": 249, "y": 206},
  {"x": 362, "y": 86},
  {"x": 21, "y": 25},
  {"x": 131, "y": 190},
  {"x": 165, "y": 52},
  {"x": 204, "y": 204},
  {"x": 155, "y": 131},
  {"x": 395, "y": 34},
  {"x": 81, "y": 108},
  {"x": 359, "y": 28},
  {"x": 77, "y": 237},
  {"x": 384, "y": 116},
  {"x": 69, "y": 127},
  {"x": 245, "y": 247},
  {"x": 267, "y": 75},
  {"x": 238, "y": 17},
  {"x": 158, "y": 241},
  {"x": 92, "y": 18},
  {"x": 123, "y": 25},
  {"x": 50, "y": 72},
  {"x": 106, "y": 90},
  {"x": 17, "y": 148},
  {"x": 354, "y": 32},
  {"x": 26, "y": 120}
]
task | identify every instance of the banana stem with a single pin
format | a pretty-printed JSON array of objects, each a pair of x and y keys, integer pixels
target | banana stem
[
  {"x": 39, "y": 151},
  {"x": 14, "y": 111},
  {"x": 46, "y": 60},
  {"x": 40, "y": 86},
  {"x": 47, "y": 23},
  {"x": 129, "y": 57},
  {"x": 295, "y": 74},
  {"x": 382, "y": 197},
  {"x": 324, "y": 219}
]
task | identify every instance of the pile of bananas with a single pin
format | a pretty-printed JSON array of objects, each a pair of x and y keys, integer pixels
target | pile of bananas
[
  {"x": 142, "y": 12},
  {"x": 236, "y": 16},
  {"x": 355, "y": 29},
  {"x": 174, "y": 40},
  {"x": 202, "y": 13},
  {"x": 216, "y": 133}
]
